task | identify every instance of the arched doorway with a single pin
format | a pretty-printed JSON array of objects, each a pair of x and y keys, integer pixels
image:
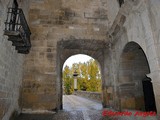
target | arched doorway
[
  {"x": 86, "y": 84},
  {"x": 67, "y": 48},
  {"x": 135, "y": 88}
]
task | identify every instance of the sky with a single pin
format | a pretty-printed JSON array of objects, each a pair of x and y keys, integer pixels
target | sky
[{"x": 76, "y": 59}]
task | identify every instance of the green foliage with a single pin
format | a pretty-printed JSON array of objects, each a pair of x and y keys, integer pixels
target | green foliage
[
  {"x": 89, "y": 77},
  {"x": 67, "y": 80}
]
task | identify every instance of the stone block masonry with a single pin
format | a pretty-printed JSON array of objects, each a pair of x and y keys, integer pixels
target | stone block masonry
[
  {"x": 115, "y": 36},
  {"x": 11, "y": 70},
  {"x": 11, "y": 67},
  {"x": 96, "y": 96},
  {"x": 50, "y": 22}
]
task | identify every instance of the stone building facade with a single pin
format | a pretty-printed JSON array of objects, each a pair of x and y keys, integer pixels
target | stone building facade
[
  {"x": 124, "y": 39},
  {"x": 11, "y": 67}
]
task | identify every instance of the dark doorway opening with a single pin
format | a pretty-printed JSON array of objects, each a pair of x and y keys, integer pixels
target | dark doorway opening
[{"x": 149, "y": 98}]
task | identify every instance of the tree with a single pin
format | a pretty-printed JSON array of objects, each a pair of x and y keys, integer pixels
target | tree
[
  {"x": 94, "y": 77},
  {"x": 67, "y": 81},
  {"x": 89, "y": 77}
]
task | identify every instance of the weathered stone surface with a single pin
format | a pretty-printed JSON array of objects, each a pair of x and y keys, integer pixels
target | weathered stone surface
[
  {"x": 101, "y": 29},
  {"x": 11, "y": 67},
  {"x": 49, "y": 26},
  {"x": 74, "y": 23},
  {"x": 90, "y": 95},
  {"x": 133, "y": 62}
]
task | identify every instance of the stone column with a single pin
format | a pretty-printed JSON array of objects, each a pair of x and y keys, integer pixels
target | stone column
[
  {"x": 75, "y": 74},
  {"x": 75, "y": 83}
]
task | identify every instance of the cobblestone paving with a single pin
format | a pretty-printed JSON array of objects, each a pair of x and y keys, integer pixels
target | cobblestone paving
[{"x": 77, "y": 108}]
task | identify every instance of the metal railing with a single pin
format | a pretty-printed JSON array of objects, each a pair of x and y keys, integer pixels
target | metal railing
[{"x": 17, "y": 29}]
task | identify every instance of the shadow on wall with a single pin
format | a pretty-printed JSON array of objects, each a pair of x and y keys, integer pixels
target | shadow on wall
[{"x": 134, "y": 87}]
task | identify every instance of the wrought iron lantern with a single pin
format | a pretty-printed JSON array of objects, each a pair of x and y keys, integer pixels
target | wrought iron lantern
[{"x": 17, "y": 29}]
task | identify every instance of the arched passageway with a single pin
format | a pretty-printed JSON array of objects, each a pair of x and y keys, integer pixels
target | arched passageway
[
  {"x": 67, "y": 48},
  {"x": 81, "y": 77},
  {"x": 135, "y": 88},
  {"x": 85, "y": 70}
]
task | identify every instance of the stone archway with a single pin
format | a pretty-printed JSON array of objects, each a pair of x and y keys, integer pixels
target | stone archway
[
  {"x": 67, "y": 48},
  {"x": 134, "y": 87}
]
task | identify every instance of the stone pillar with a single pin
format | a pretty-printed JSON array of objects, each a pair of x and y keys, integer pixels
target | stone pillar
[
  {"x": 75, "y": 83},
  {"x": 75, "y": 74}
]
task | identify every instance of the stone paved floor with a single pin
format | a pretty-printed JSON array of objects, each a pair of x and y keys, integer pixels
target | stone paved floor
[{"x": 77, "y": 108}]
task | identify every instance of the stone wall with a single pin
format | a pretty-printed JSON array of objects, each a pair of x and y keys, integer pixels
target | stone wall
[
  {"x": 154, "y": 15},
  {"x": 76, "y": 22},
  {"x": 90, "y": 95},
  {"x": 52, "y": 21},
  {"x": 133, "y": 23},
  {"x": 11, "y": 71},
  {"x": 113, "y": 8}
]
